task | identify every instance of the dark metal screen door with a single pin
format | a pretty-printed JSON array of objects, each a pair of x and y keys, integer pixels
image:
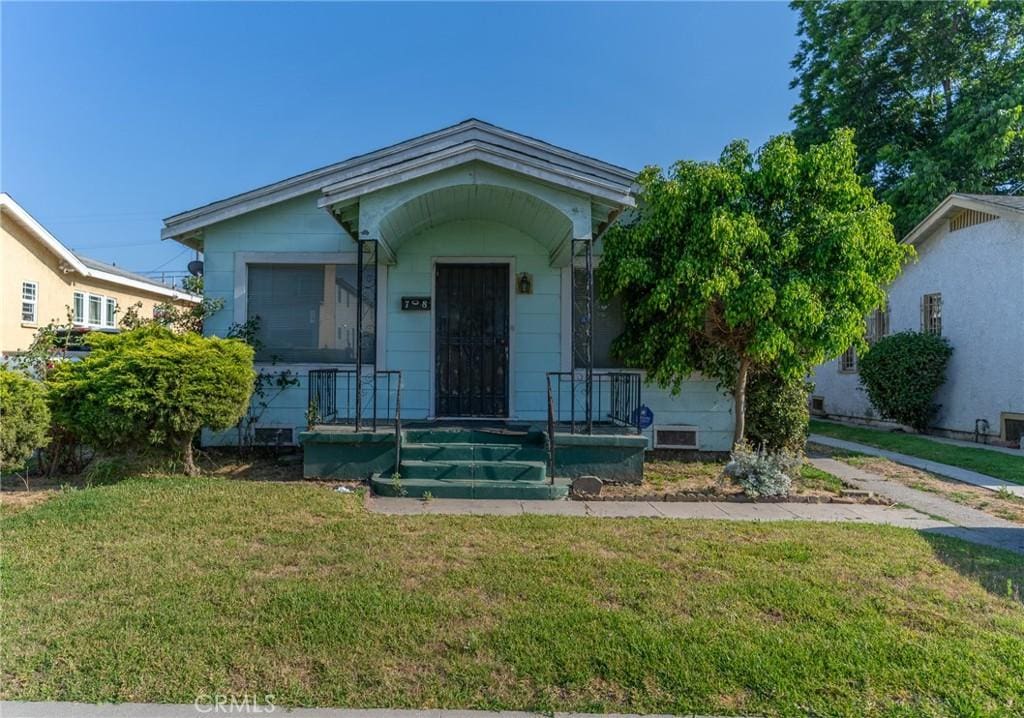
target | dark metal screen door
[{"x": 471, "y": 307}]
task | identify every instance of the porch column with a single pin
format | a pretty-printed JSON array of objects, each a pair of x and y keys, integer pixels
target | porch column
[
  {"x": 366, "y": 300},
  {"x": 583, "y": 329}
]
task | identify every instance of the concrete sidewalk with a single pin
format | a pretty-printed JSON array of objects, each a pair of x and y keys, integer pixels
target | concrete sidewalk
[
  {"x": 12, "y": 709},
  {"x": 953, "y": 472},
  {"x": 961, "y": 521},
  {"x": 720, "y": 510}
]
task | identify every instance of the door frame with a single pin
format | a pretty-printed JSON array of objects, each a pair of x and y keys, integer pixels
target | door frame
[{"x": 432, "y": 394}]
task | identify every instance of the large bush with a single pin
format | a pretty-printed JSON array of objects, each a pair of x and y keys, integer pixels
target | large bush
[
  {"x": 777, "y": 412},
  {"x": 901, "y": 374},
  {"x": 150, "y": 387},
  {"x": 24, "y": 418}
]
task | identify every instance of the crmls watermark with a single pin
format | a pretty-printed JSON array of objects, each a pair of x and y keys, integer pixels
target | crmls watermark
[{"x": 224, "y": 703}]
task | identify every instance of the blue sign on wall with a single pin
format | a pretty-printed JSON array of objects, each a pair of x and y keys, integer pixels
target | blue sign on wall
[{"x": 644, "y": 417}]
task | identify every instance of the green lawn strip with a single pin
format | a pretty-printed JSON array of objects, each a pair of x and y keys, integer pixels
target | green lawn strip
[
  {"x": 992, "y": 463},
  {"x": 158, "y": 590}
]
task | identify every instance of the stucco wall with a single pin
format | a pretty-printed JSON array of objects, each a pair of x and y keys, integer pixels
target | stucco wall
[
  {"x": 537, "y": 345},
  {"x": 25, "y": 259},
  {"x": 980, "y": 273}
]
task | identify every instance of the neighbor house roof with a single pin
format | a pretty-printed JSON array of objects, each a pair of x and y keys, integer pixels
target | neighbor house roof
[
  {"x": 86, "y": 266},
  {"x": 998, "y": 204},
  {"x": 468, "y": 141}
]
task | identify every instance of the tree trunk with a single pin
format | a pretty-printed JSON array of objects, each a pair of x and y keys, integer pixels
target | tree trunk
[
  {"x": 740, "y": 396},
  {"x": 188, "y": 460}
]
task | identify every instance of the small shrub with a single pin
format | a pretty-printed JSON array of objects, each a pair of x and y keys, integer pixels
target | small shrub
[
  {"x": 151, "y": 388},
  {"x": 901, "y": 374},
  {"x": 24, "y": 418},
  {"x": 761, "y": 472},
  {"x": 777, "y": 412},
  {"x": 107, "y": 470}
]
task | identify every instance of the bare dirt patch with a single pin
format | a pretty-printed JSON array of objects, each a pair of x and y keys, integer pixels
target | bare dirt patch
[{"x": 666, "y": 477}]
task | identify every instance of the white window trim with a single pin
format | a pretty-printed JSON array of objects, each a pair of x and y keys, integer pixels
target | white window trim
[
  {"x": 34, "y": 302},
  {"x": 240, "y": 299},
  {"x": 109, "y": 312},
  {"x": 76, "y": 318}
]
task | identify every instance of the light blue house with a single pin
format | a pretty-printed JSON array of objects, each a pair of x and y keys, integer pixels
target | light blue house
[{"x": 451, "y": 274}]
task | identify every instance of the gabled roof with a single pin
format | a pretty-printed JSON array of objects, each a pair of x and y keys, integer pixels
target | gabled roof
[
  {"x": 997, "y": 204},
  {"x": 467, "y": 141},
  {"x": 86, "y": 266}
]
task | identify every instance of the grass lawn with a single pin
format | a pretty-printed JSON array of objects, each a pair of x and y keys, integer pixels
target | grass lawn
[
  {"x": 993, "y": 463},
  {"x": 156, "y": 590}
]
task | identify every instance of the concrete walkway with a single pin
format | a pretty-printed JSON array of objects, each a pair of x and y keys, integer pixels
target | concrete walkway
[
  {"x": 961, "y": 521},
  {"x": 953, "y": 472},
  {"x": 720, "y": 510},
  {"x": 12, "y": 709}
]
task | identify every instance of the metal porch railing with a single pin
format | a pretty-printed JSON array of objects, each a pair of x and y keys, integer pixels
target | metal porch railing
[
  {"x": 339, "y": 397},
  {"x": 579, "y": 401}
]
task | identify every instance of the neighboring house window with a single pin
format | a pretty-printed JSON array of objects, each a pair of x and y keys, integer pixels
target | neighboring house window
[
  {"x": 111, "y": 311},
  {"x": 78, "y": 308},
  {"x": 848, "y": 361},
  {"x": 607, "y": 324},
  {"x": 307, "y": 313},
  {"x": 878, "y": 325},
  {"x": 29, "y": 302},
  {"x": 95, "y": 310},
  {"x": 931, "y": 313}
]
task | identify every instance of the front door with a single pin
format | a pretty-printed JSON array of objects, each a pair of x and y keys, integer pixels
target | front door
[{"x": 471, "y": 306}]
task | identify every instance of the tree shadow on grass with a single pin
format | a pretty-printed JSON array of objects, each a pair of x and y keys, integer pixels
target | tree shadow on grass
[{"x": 999, "y": 571}]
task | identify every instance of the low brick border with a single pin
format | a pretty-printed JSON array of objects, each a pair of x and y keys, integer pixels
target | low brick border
[{"x": 693, "y": 496}]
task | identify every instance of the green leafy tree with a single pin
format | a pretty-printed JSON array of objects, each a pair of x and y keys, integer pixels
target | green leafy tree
[
  {"x": 151, "y": 387},
  {"x": 766, "y": 261},
  {"x": 901, "y": 374},
  {"x": 933, "y": 90},
  {"x": 24, "y": 418}
]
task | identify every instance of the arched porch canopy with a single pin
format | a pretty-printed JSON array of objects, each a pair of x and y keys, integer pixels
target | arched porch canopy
[{"x": 484, "y": 173}]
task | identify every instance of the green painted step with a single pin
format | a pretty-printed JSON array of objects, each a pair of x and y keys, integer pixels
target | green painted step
[
  {"x": 469, "y": 488},
  {"x": 473, "y": 470},
  {"x": 472, "y": 436},
  {"x": 473, "y": 452}
]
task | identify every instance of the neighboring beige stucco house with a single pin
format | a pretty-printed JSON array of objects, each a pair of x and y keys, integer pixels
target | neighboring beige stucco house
[{"x": 41, "y": 281}]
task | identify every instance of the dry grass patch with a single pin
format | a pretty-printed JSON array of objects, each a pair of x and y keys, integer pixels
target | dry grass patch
[
  {"x": 667, "y": 476},
  {"x": 1002, "y": 505}
]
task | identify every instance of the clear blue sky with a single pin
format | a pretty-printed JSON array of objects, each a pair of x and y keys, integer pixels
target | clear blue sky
[{"x": 114, "y": 116}]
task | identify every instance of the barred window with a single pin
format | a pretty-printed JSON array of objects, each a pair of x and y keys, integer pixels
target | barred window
[
  {"x": 878, "y": 324},
  {"x": 848, "y": 361},
  {"x": 931, "y": 313}
]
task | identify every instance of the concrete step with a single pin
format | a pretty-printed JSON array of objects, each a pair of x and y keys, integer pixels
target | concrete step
[
  {"x": 474, "y": 470},
  {"x": 472, "y": 436},
  {"x": 473, "y": 452},
  {"x": 384, "y": 485}
]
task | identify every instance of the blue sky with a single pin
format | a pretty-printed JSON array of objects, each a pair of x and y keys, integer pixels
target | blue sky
[{"x": 113, "y": 116}]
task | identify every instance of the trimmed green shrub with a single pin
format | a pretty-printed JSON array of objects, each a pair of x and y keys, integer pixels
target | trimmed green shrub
[
  {"x": 777, "y": 412},
  {"x": 901, "y": 374},
  {"x": 152, "y": 388},
  {"x": 24, "y": 418}
]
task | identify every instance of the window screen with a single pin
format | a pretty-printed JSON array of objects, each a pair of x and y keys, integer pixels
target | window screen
[
  {"x": 307, "y": 313},
  {"x": 607, "y": 324}
]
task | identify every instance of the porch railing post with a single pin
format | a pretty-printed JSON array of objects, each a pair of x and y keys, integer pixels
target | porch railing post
[
  {"x": 590, "y": 336},
  {"x": 359, "y": 333}
]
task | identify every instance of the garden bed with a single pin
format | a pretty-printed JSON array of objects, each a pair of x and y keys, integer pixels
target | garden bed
[{"x": 680, "y": 480}]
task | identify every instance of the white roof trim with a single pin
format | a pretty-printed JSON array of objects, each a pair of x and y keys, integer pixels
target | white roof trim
[
  {"x": 473, "y": 151},
  {"x": 42, "y": 234},
  {"x": 955, "y": 201},
  {"x": 562, "y": 163},
  {"x": 8, "y": 204}
]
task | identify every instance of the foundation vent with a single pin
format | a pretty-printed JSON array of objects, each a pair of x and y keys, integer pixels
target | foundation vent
[{"x": 676, "y": 437}]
